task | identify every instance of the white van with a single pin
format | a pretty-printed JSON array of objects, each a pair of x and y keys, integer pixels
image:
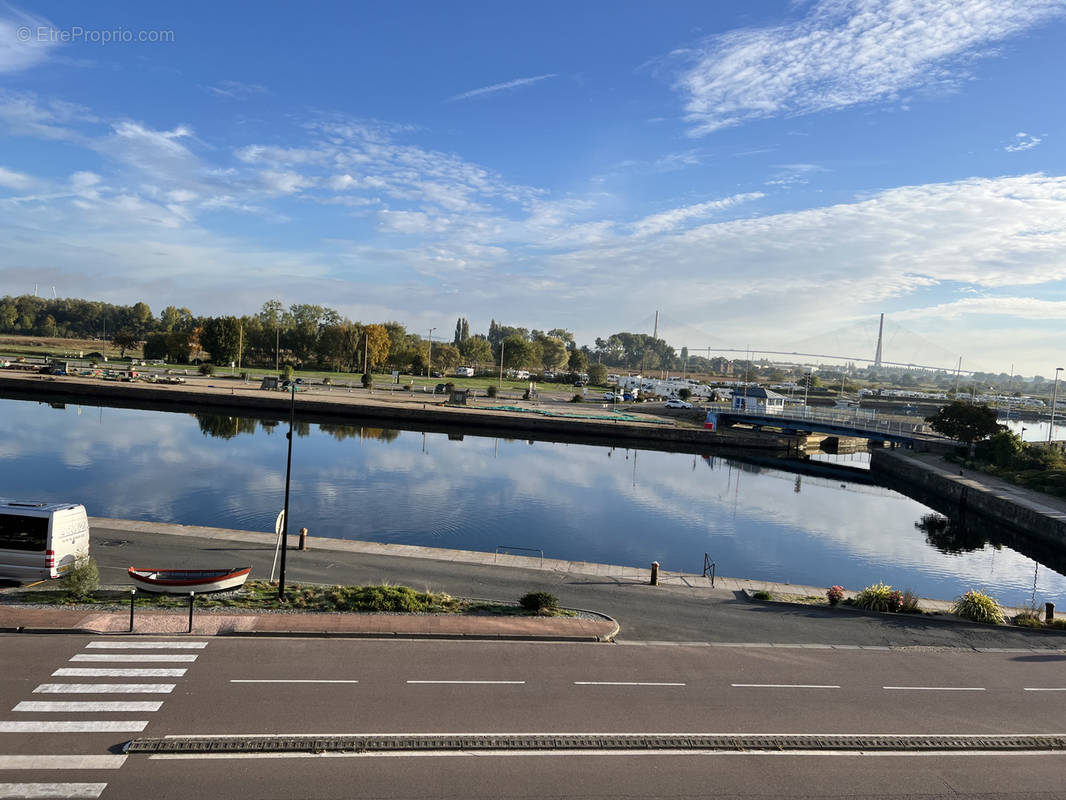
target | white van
[
  {"x": 41, "y": 540},
  {"x": 464, "y": 372}
]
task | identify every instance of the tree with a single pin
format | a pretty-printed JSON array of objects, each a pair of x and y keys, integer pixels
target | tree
[
  {"x": 579, "y": 362},
  {"x": 517, "y": 352},
  {"x": 377, "y": 345},
  {"x": 965, "y": 421},
  {"x": 124, "y": 340},
  {"x": 222, "y": 339},
  {"x": 462, "y": 331},
  {"x": 476, "y": 349},
  {"x": 446, "y": 356},
  {"x": 553, "y": 353},
  {"x": 597, "y": 374}
]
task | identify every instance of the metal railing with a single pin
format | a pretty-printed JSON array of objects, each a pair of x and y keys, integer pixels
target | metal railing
[
  {"x": 709, "y": 567},
  {"x": 859, "y": 419},
  {"x": 506, "y": 547}
]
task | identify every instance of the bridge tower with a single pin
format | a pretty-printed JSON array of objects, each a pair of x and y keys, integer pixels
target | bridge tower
[{"x": 880, "y": 339}]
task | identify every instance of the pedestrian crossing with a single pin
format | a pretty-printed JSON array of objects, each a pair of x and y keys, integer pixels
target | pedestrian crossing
[{"x": 119, "y": 659}]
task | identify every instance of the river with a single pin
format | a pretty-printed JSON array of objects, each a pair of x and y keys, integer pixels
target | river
[{"x": 577, "y": 502}]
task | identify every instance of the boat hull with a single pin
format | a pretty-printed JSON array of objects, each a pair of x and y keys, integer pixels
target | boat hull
[{"x": 183, "y": 581}]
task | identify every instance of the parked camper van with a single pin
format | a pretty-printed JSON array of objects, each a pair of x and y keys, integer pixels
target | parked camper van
[
  {"x": 465, "y": 372},
  {"x": 41, "y": 540}
]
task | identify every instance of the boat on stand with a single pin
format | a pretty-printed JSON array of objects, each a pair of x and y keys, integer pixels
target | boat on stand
[{"x": 183, "y": 581}]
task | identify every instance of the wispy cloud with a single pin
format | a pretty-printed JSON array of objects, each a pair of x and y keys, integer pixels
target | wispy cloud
[
  {"x": 845, "y": 52},
  {"x": 9, "y": 179},
  {"x": 501, "y": 87},
  {"x": 20, "y": 47},
  {"x": 235, "y": 90},
  {"x": 669, "y": 220},
  {"x": 1023, "y": 141}
]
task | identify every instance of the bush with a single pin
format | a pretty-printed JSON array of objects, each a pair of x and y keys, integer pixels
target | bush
[
  {"x": 207, "y": 369},
  {"x": 1058, "y": 624},
  {"x": 979, "y": 607},
  {"x": 539, "y": 602},
  {"x": 449, "y": 387},
  {"x": 684, "y": 394},
  {"x": 762, "y": 594},
  {"x": 81, "y": 579},
  {"x": 244, "y": 375},
  {"x": 490, "y": 391},
  {"x": 327, "y": 381},
  {"x": 910, "y": 603},
  {"x": 834, "y": 594},
  {"x": 287, "y": 372},
  {"x": 577, "y": 398},
  {"x": 368, "y": 380},
  {"x": 1029, "y": 618},
  {"x": 879, "y": 597}
]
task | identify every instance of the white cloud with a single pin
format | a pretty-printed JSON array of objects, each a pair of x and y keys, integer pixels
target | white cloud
[
  {"x": 21, "y": 44},
  {"x": 284, "y": 182},
  {"x": 845, "y": 52},
  {"x": 1023, "y": 141},
  {"x": 22, "y": 114},
  {"x": 501, "y": 87},
  {"x": 18, "y": 181},
  {"x": 669, "y": 220},
  {"x": 235, "y": 90},
  {"x": 1029, "y": 308}
]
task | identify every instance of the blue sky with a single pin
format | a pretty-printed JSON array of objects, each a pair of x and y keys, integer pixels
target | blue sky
[{"x": 760, "y": 173}]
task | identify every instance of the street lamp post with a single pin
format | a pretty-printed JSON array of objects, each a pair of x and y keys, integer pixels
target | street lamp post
[
  {"x": 430, "y": 367},
  {"x": 288, "y": 474},
  {"x": 501, "y": 364},
  {"x": 1054, "y": 401}
]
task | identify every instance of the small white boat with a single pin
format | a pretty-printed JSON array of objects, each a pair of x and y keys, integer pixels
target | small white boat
[{"x": 183, "y": 581}]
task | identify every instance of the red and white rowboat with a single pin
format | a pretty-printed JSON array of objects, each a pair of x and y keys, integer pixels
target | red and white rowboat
[{"x": 183, "y": 581}]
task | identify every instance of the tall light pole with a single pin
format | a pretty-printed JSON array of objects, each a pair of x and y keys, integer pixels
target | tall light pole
[
  {"x": 1054, "y": 400},
  {"x": 430, "y": 368},
  {"x": 501, "y": 364},
  {"x": 288, "y": 473}
]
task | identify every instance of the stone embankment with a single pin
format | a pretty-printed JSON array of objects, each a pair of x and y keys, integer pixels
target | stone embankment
[{"x": 963, "y": 493}]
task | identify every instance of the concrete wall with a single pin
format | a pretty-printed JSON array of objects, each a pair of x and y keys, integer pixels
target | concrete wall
[{"x": 957, "y": 496}]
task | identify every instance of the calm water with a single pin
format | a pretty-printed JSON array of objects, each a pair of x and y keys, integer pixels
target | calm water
[{"x": 573, "y": 501}]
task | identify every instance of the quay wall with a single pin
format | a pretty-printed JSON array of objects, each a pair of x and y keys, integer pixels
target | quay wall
[{"x": 963, "y": 498}]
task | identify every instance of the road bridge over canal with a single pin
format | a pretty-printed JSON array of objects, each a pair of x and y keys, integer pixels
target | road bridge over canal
[{"x": 858, "y": 423}]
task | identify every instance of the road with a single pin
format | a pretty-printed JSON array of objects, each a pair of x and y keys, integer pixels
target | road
[
  {"x": 189, "y": 686},
  {"x": 645, "y": 613}
]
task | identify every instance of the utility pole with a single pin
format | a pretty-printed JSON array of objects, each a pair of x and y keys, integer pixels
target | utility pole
[
  {"x": 958, "y": 371},
  {"x": 240, "y": 343},
  {"x": 288, "y": 474},
  {"x": 429, "y": 368},
  {"x": 501, "y": 364}
]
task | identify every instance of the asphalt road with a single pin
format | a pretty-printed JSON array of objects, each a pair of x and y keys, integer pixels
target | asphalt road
[
  {"x": 645, "y": 613},
  {"x": 321, "y": 686}
]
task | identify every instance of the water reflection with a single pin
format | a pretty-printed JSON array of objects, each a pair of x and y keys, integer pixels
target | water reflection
[{"x": 574, "y": 501}]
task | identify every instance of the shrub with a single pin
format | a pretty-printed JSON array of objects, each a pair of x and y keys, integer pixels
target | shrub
[
  {"x": 207, "y": 369},
  {"x": 287, "y": 372},
  {"x": 449, "y": 387},
  {"x": 577, "y": 398},
  {"x": 1029, "y": 618},
  {"x": 244, "y": 375},
  {"x": 327, "y": 381},
  {"x": 490, "y": 391},
  {"x": 910, "y": 603},
  {"x": 368, "y": 380},
  {"x": 1058, "y": 624},
  {"x": 762, "y": 594},
  {"x": 81, "y": 579},
  {"x": 539, "y": 602},
  {"x": 834, "y": 594},
  {"x": 879, "y": 597},
  {"x": 979, "y": 607}
]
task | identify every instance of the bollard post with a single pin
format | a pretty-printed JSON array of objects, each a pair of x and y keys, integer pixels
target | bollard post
[
  {"x": 654, "y": 574},
  {"x": 133, "y": 593},
  {"x": 1049, "y": 613},
  {"x": 303, "y": 538},
  {"x": 192, "y": 600}
]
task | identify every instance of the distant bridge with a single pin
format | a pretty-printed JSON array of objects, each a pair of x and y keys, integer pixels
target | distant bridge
[{"x": 857, "y": 423}]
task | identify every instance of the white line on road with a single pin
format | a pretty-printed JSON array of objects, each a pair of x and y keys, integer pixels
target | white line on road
[
  {"x": 936, "y": 688},
  {"x": 285, "y": 680},
  {"x": 475, "y": 682},
  {"x": 641, "y": 753},
  {"x": 785, "y": 685},
  {"x": 67, "y": 791},
  {"x": 175, "y": 657},
  {"x": 72, "y": 726},
  {"x": 624, "y": 683},
  {"x": 1044, "y": 689},
  {"x": 96, "y": 672},
  {"x": 105, "y": 688},
  {"x": 88, "y": 706},
  {"x": 61, "y": 762},
  {"x": 146, "y": 645}
]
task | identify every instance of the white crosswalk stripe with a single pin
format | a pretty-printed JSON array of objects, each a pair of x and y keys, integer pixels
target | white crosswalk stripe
[
  {"x": 110, "y": 672},
  {"x": 61, "y": 762},
  {"x": 72, "y": 726},
  {"x": 105, "y": 688},
  {"x": 65, "y": 791},
  {"x": 86, "y": 706},
  {"x": 139, "y": 657},
  {"x": 139, "y": 645}
]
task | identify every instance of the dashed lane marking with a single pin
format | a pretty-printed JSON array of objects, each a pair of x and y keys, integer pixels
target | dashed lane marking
[
  {"x": 625, "y": 683},
  {"x": 1044, "y": 689},
  {"x": 491, "y": 683},
  {"x": 72, "y": 726},
  {"x": 105, "y": 688},
  {"x": 108, "y": 672},
  {"x": 785, "y": 685},
  {"x": 87, "y": 706},
  {"x": 139, "y": 645},
  {"x": 285, "y": 680},
  {"x": 936, "y": 688},
  {"x": 66, "y": 791},
  {"x": 61, "y": 762}
]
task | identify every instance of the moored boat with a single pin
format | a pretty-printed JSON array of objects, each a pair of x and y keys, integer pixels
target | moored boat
[{"x": 183, "y": 581}]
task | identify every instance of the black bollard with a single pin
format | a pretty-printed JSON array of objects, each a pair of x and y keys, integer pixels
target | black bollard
[
  {"x": 192, "y": 600},
  {"x": 654, "y": 573},
  {"x": 133, "y": 593},
  {"x": 1049, "y": 613}
]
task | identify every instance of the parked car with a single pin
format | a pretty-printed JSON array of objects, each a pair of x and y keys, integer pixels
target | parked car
[
  {"x": 440, "y": 388},
  {"x": 612, "y": 396},
  {"x": 673, "y": 402}
]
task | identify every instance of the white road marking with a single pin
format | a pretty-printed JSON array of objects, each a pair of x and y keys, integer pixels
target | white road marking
[
  {"x": 88, "y": 706},
  {"x": 642, "y": 753},
  {"x": 67, "y": 791},
  {"x": 936, "y": 688},
  {"x": 175, "y": 657},
  {"x": 96, "y": 672},
  {"x": 491, "y": 683},
  {"x": 1043, "y": 689},
  {"x": 61, "y": 762},
  {"x": 139, "y": 645},
  {"x": 786, "y": 685},
  {"x": 105, "y": 688},
  {"x": 624, "y": 683},
  {"x": 279, "y": 680},
  {"x": 72, "y": 726}
]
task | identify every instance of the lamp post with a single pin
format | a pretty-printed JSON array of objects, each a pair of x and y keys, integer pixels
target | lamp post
[
  {"x": 430, "y": 367},
  {"x": 288, "y": 474},
  {"x": 1054, "y": 401},
  {"x": 501, "y": 364}
]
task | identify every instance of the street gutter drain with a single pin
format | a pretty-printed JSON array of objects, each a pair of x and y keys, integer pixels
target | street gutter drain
[{"x": 586, "y": 741}]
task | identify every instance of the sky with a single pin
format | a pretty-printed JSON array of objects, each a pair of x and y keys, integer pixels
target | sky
[{"x": 764, "y": 175}]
